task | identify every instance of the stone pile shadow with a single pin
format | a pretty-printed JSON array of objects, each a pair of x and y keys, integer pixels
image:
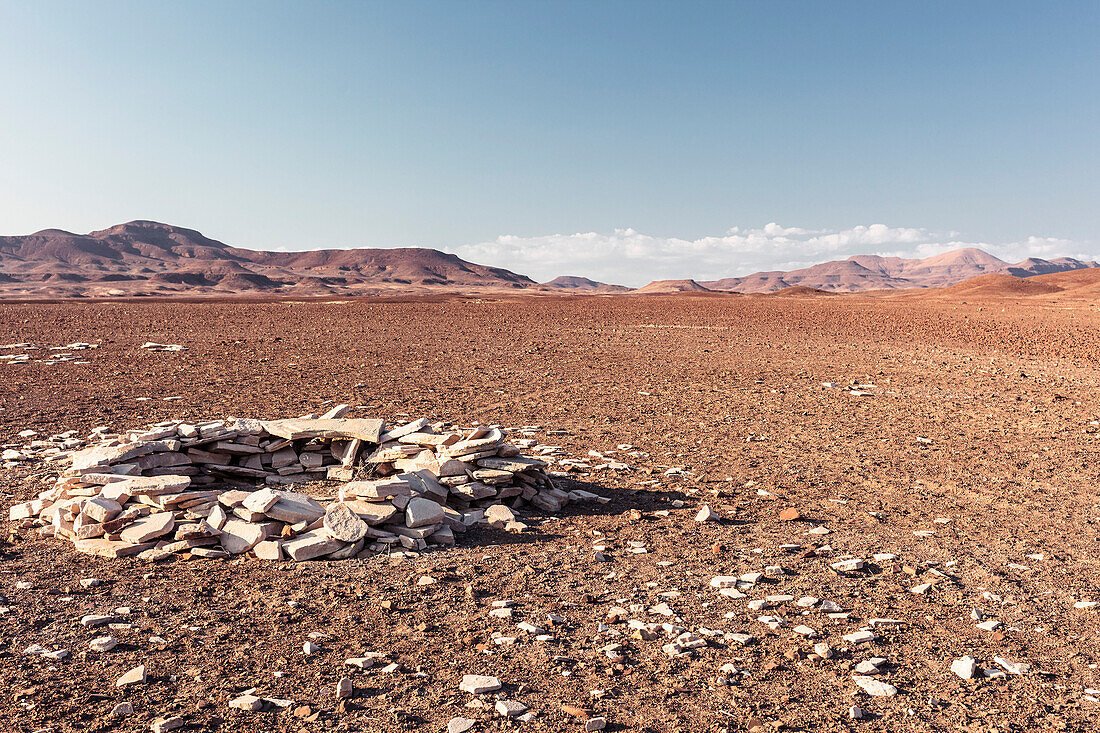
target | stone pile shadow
[{"x": 622, "y": 501}]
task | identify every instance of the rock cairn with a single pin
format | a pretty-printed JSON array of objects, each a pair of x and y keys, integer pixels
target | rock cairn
[{"x": 214, "y": 489}]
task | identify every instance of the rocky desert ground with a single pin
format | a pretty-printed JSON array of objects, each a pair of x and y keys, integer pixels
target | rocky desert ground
[{"x": 836, "y": 513}]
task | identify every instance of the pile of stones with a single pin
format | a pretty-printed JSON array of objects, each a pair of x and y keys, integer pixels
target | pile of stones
[{"x": 215, "y": 489}]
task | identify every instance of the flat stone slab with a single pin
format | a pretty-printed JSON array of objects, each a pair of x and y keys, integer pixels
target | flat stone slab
[
  {"x": 344, "y": 524},
  {"x": 293, "y": 508},
  {"x": 153, "y": 485},
  {"x": 262, "y": 500},
  {"x": 148, "y": 528},
  {"x": 422, "y": 512},
  {"x": 101, "y": 547},
  {"x": 369, "y": 430},
  {"x": 105, "y": 455},
  {"x": 479, "y": 684},
  {"x": 380, "y": 490},
  {"x": 512, "y": 465},
  {"x": 238, "y": 536},
  {"x": 101, "y": 509},
  {"x": 311, "y": 545},
  {"x": 372, "y": 512}
]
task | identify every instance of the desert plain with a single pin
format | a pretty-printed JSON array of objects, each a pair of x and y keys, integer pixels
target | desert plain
[{"x": 953, "y": 436}]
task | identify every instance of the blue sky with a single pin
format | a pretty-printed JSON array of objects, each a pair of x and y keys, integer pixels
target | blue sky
[{"x": 623, "y": 141}]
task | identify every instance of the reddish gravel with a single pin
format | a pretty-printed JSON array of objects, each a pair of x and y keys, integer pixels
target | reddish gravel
[{"x": 729, "y": 388}]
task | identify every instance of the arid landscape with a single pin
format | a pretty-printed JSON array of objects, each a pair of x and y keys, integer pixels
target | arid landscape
[
  {"x": 151, "y": 259},
  {"x": 907, "y": 480},
  {"x": 549, "y": 367}
]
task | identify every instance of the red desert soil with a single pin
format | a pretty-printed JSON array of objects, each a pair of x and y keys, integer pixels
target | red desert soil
[{"x": 975, "y": 426}]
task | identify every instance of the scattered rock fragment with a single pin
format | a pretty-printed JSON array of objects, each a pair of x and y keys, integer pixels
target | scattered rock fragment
[
  {"x": 163, "y": 725},
  {"x": 874, "y": 687},
  {"x": 479, "y": 684},
  {"x": 460, "y": 725},
  {"x": 1012, "y": 667},
  {"x": 121, "y": 710},
  {"x": 510, "y": 708},
  {"x": 250, "y": 703},
  {"x": 135, "y": 676},
  {"x": 706, "y": 515},
  {"x": 965, "y": 667},
  {"x": 103, "y": 644}
]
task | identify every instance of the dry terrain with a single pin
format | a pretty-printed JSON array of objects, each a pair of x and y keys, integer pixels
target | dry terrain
[
  {"x": 151, "y": 259},
  {"x": 958, "y": 435}
]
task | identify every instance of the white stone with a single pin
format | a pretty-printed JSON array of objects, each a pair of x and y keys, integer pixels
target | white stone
[
  {"x": 246, "y": 702},
  {"x": 422, "y": 512},
  {"x": 479, "y": 684},
  {"x": 876, "y": 688},
  {"x": 133, "y": 677},
  {"x": 93, "y": 620},
  {"x": 311, "y": 545},
  {"x": 260, "y": 501},
  {"x": 1012, "y": 667},
  {"x": 965, "y": 667},
  {"x": 706, "y": 515},
  {"x": 848, "y": 566},
  {"x": 460, "y": 725},
  {"x": 344, "y": 524},
  {"x": 103, "y": 644},
  {"x": 238, "y": 536},
  {"x": 363, "y": 662},
  {"x": 510, "y": 708},
  {"x": 499, "y": 514},
  {"x": 163, "y": 725},
  {"x": 148, "y": 528}
]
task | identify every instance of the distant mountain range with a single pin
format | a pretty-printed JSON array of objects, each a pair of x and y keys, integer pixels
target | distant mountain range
[
  {"x": 872, "y": 272},
  {"x": 146, "y": 258},
  {"x": 149, "y": 258}
]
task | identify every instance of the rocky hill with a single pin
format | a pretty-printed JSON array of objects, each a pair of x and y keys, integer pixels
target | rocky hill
[
  {"x": 577, "y": 284},
  {"x": 873, "y": 272},
  {"x": 149, "y": 258}
]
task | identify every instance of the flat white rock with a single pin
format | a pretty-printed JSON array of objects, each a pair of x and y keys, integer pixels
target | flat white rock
[
  {"x": 479, "y": 684},
  {"x": 876, "y": 688},
  {"x": 460, "y": 725}
]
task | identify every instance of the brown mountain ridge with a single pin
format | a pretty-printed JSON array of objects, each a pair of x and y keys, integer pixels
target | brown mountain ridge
[
  {"x": 874, "y": 272},
  {"x": 147, "y": 258},
  {"x": 150, "y": 258}
]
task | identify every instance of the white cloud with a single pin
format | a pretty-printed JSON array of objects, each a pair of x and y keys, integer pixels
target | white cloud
[{"x": 629, "y": 257}]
